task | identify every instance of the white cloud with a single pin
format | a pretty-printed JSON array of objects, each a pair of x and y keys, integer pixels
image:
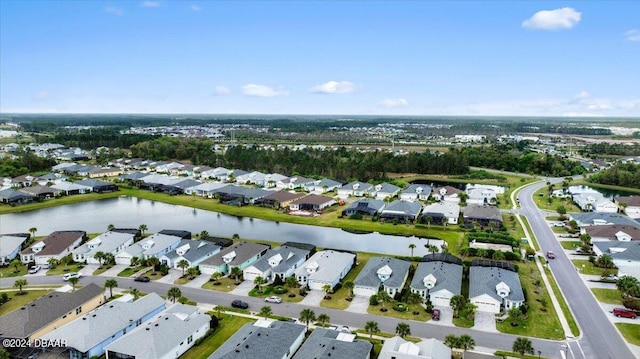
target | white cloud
[
  {"x": 633, "y": 35},
  {"x": 262, "y": 91},
  {"x": 114, "y": 10},
  {"x": 195, "y": 8},
  {"x": 42, "y": 96},
  {"x": 222, "y": 90},
  {"x": 150, "y": 4},
  {"x": 334, "y": 87},
  {"x": 564, "y": 18},
  {"x": 394, "y": 102},
  {"x": 582, "y": 95}
]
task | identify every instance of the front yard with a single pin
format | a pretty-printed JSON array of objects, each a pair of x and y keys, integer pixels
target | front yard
[
  {"x": 586, "y": 267},
  {"x": 630, "y": 332},
  {"x": 16, "y": 301},
  {"x": 224, "y": 284},
  {"x": 11, "y": 271},
  {"x": 228, "y": 326},
  {"x": 339, "y": 297},
  {"x": 61, "y": 269},
  {"x": 609, "y": 296}
]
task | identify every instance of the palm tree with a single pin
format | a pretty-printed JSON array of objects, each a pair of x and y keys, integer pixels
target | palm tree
[
  {"x": 403, "y": 329},
  {"x": 111, "y": 227},
  {"x": 235, "y": 236},
  {"x": 218, "y": 309},
  {"x": 99, "y": 256},
  {"x": 626, "y": 284},
  {"x": 463, "y": 197},
  {"x": 236, "y": 273},
  {"x": 183, "y": 264},
  {"x": 52, "y": 262},
  {"x": 429, "y": 219},
  {"x": 327, "y": 289},
  {"x": 291, "y": 282},
  {"x": 174, "y": 293},
  {"x": 259, "y": 281},
  {"x": 110, "y": 283},
  {"x": 216, "y": 277},
  {"x": 444, "y": 221},
  {"x": 109, "y": 258},
  {"x": 73, "y": 281},
  {"x": 412, "y": 247},
  {"x": 323, "y": 318},
  {"x": 372, "y": 328},
  {"x": 414, "y": 298},
  {"x": 153, "y": 262},
  {"x": 451, "y": 341},
  {"x": 457, "y": 303},
  {"x": 349, "y": 285},
  {"x": 266, "y": 311},
  {"x": 466, "y": 342},
  {"x": 136, "y": 293},
  {"x": 16, "y": 263},
  {"x": 522, "y": 345},
  {"x": 307, "y": 315},
  {"x": 33, "y": 231},
  {"x": 19, "y": 283},
  {"x": 384, "y": 297},
  {"x": 134, "y": 261},
  {"x": 192, "y": 272},
  {"x": 516, "y": 315},
  {"x": 433, "y": 248},
  {"x": 142, "y": 228},
  {"x": 204, "y": 234}
]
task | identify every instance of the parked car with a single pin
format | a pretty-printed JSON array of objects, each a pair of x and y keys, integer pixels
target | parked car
[
  {"x": 68, "y": 276},
  {"x": 624, "y": 313},
  {"x": 239, "y": 304},
  {"x": 273, "y": 299},
  {"x": 142, "y": 279},
  {"x": 345, "y": 329},
  {"x": 551, "y": 255},
  {"x": 436, "y": 314},
  {"x": 34, "y": 269}
]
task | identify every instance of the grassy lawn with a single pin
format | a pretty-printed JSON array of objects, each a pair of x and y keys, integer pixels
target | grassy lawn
[
  {"x": 541, "y": 199},
  {"x": 128, "y": 272},
  {"x": 561, "y": 230},
  {"x": 183, "y": 280},
  {"x": 18, "y": 301},
  {"x": 102, "y": 269},
  {"x": 586, "y": 267},
  {"x": 563, "y": 304},
  {"x": 536, "y": 246},
  {"x": 226, "y": 285},
  {"x": 462, "y": 322},
  {"x": 339, "y": 298},
  {"x": 229, "y": 324},
  {"x": 570, "y": 244},
  {"x": 408, "y": 315},
  {"x": 631, "y": 332},
  {"x": 62, "y": 269},
  {"x": 10, "y": 271},
  {"x": 153, "y": 275},
  {"x": 511, "y": 223},
  {"x": 609, "y": 296}
]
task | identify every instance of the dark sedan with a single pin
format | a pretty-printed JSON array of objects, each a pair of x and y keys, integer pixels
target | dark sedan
[{"x": 142, "y": 279}]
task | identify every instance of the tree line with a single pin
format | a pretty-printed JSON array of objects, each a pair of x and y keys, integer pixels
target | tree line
[{"x": 625, "y": 175}]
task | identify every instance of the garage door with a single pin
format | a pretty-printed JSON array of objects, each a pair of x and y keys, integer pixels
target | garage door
[
  {"x": 440, "y": 301},
  {"x": 487, "y": 307},
  {"x": 364, "y": 291}
]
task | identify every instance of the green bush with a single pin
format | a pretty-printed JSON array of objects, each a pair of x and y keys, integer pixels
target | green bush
[
  {"x": 400, "y": 307},
  {"x": 373, "y": 300},
  {"x": 280, "y": 290}
]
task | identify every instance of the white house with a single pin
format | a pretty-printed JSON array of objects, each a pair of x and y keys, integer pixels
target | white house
[
  {"x": 493, "y": 289},
  {"x": 294, "y": 182},
  {"x": 595, "y": 202},
  {"x": 625, "y": 255},
  {"x": 279, "y": 262},
  {"x": 155, "y": 245},
  {"x": 356, "y": 189},
  {"x": 398, "y": 348},
  {"x": 383, "y": 191},
  {"x": 108, "y": 242},
  {"x": 241, "y": 255},
  {"x": 630, "y": 205},
  {"x": 437, "y": 281},
  {"x": 416, "y": 192},
  {"x": 390, "y": 274},
  {"x": 325, "y": 267},
  {"x": 56, "y": 245},
  {"x": 10, "y": 246},
  {"x": 446, "y": 193},
  {"x": 192, "y": 251},
  {"x": 439, "y": 210},
  {"x": 322, "y": 186}
]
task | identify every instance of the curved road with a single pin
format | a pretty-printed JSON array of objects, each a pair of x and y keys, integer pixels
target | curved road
[{"x": 599, "y": 337}]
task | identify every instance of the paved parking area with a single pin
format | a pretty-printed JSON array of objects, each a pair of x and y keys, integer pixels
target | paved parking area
[
  {"x": 313, "y": 298},
  {"x": 198, "y": 281},
  {"x": 243, "y": 288},
  {"x": 359, "y": 304},
  {"x": 485, "y": 321}
]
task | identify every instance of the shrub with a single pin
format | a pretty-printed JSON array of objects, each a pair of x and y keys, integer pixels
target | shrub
[
  {"x": 355, "y": 216},
  {"x": 512, "y": 256},
  {"x": 631, "y": 303},
  {"x": 400, "y": 307},
  {"x": 280, "y": 290},
  {"x": 373, "y": 300}
]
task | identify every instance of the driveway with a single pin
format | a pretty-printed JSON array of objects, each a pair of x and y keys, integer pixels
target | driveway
[
  {"x": 485, "y": 321},
  {"x": 446, "y": 316},
  {"x": 243, "y": 288},
  {"x": 198, "y": 281},
  {"x": 171, "y": 277},
  {"x": 113, "y": 271},
  {"x": 313, "y": 298},
  {"x": 359, "y": 304}
]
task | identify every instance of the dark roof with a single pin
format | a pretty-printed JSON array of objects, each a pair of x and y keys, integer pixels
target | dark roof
[
  {"x": 136, "y": 232},
  {"x": 221, "y": 241},
  {"x": 324, "y": 343},
  {"x": 283, "y": 196},
  {"x": 483, "y": 280},
  {"x": 257, "y": 342},
  {"x": 306, "y": 246},
  {"x": 56, "y": 242},
  {"x": 588, "y": 218},
  {"x": 474, "y": 211},
  {"x": 176, "y": 232},
  {"x": 13, "y": 195},
  {"x": 93, "y": 183},
  {"x": 610, "y": 230},
  {"x": 37, "y": 190},
  {"x": 313, "y": 199},
  {"x": 368, "y": 276},
  {"x": 441, "y": 257},
  {"x": 489, "y": 263},
  {"x": 631, "y": 250},
  {"x": 26, "y": 320}
]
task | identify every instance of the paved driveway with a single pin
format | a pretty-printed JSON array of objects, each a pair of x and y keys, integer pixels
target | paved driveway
[
  {"x": 359, "y": 304},
  {"x": 485, "y": 321},
  {"x": 243, "y": 288},
  {"x": 171, "y": 277},
  {"x": 313, "y": 298},
  {"x": 113, "y": 271},
  {"x": 446, "y": 316},
  {"x": 198, "y": 281}
]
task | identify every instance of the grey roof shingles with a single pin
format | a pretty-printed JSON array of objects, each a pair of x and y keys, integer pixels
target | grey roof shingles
[
  {"x": 290, "y": 256},
  {"x": 631, "y": 249},
  {"x": 244, "y": 251},
  {"x": 323, "y": 343},
  {"x": 56, "y": 242},
  {"x": 407, "y": 207},
  {"x": 448, "y": 276},
  {"x": 368, "y": 276},
  {"x": 483, "y": 280},
  {"x": 613, "y": 218}
]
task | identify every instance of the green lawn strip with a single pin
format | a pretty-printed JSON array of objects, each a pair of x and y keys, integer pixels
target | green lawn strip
[
  {"x": 609, "y": 296},
  {"x": 586, "y": 267},
  {"x": 408, "y": 315},
  {"x": 153, "y": 275},
  {"x": 102, "y": 269},
  {"x": 506, "y": 354},
  {"x": 536, "y": 246},
  {"x": 228, "y": 326},
  {"x": 630, "y": 332},
  {"x": 183, "y": 280},
  {"x": 339, "y": 297},
  {"x": 10, "y": 271},
  {"x": 226, "y": 285},
  {"x": 363, "y": 333},
  {"x": 61, "y": 269},
  {"x": 128, "y": 272},
  {"x": 4, "y": 209},
  {"x": 570, "y": 244},
  {"x": 462, "y": 322},
  {"x": 563, "y": 304},
  {"x": 561, "y": 230},
  {"x": 18, "y": 301}
]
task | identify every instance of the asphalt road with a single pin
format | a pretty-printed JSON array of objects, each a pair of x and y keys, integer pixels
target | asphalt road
[{"x": 599, "y": 338}]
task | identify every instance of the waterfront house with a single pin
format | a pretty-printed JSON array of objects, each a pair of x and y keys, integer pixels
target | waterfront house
[
  {"x": 108, "y": 242},
  {"x": 388, "y": 274},
  {"x": 416, "y": 192},
  {"x": 630, "y": 205},
  {"x": 355, "y": 189},
  {"x": 279, "y": 199},
  {"x": 446, "y": 193},
  {"x": 10, "y": 246},
  {"x": 482, "y": 215},
  {"x": 404, "y": 211},
  {"x": 365, "y": 207},
  {"x": 334, "y": 344},
  {"x": 56, "y": 245},
  {"x": 193, "y": 251},
  {"x": 438, "y": 211},
  {"x": 383, "y": 191},
  {"x": 322, "y": 186},
  {"x": 241, "y": 255},
  {"x": 325, "y": 267},
  {"x": 437, "y": 281},
  {"x": 279, "y": 262},
  {"x": 311, "y": 202}
]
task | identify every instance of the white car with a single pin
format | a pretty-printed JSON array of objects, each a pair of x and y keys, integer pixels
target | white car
[
  {"x": 68, "y": 276},
  {"x": 34, "y": 269},
  {"x": 273, "y": 299}
]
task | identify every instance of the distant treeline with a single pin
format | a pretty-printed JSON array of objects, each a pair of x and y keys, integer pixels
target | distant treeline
[
  {"x": 606, "y": 148},
  {"x": 94, "y": 138},
  {"x": 25, "y": 162},
  {"x": 625, "y": 175}
]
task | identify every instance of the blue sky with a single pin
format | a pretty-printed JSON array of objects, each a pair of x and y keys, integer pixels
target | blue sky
[{"x": 336, "y": 57}]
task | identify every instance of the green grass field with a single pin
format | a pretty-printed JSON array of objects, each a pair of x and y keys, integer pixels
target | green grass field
[
  {"x": 610, "y": 296},
  {"x": 226, "y": 285},
  {"x": 630, "y": 332},
  {"x": 18, "y": 301},
  {"x": 10, "y": 271},
  {"x": 586, "y": 267},
  {"x": 228, "y": 326}
]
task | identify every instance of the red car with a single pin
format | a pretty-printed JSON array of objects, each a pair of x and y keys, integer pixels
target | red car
[
  {"x": 624, "y": 313},
  {"x": 436, "y": 314},
  {"x": 550, "y": 255}
]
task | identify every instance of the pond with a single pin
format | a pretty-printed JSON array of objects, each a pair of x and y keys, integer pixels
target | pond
[
  {"x": 131, "y": 212},
  {"x": 608, "y": 193}
]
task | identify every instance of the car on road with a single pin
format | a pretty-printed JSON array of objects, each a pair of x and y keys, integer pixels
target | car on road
[
  {"x": 142, "y": 279},
  {"x": 68, "y": 276},
  {"x": 273, "y": 299},
  {"x": 239, "y": 304},
  {"x": 34, "y": 269},
  {"x": 624, "y": 313},
  {"x": 551, "y": 255},
  {"x": 436, "y": 314}
]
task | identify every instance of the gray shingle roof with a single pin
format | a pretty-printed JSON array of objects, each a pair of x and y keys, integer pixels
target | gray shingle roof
[
  {"x": 108, "y": 242},
  {"x": 448, "y": 276},
  {"x": 324, "y": 343},
  {"x": 197, "y": 250},
  {"x": 412, "y": 208},
  {"x": 93, "y": 183},
  {"x": 489, "y": 213},
  {"x": 24, "y": 321},
  {"x": 613, "y": 218},
  {"x": 374, "y": 204},
  {"x": 368, "y": 276},
  {"x": 244, "y": 251},
  {"x": 483, "y": 280},
  {"x": 9, "y": 242},
  {"x": 424, "y": 189},
  {"x": 98, "y": 325},
  {"x": 330, "y": 264},
  {"x": 290, "y": 256},
  {"x": 631, "y": 249},
  {"x": 256, "y": 342}
]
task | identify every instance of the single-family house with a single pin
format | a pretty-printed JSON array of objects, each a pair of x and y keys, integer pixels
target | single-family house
[
  {"x": 98, "y": 186},
  {"x": 398, "y": 348},
  {"x": 600, "y": 219},
  {"x": 381, "y": 273},
  {"x": 322, "y": 186},
  {"x": 365, "y": 207},
  {"x": 206, "y": 189},
  {"x": 241, "y": 255},
  {"x": 10, "y": 246},
  {"x": 416, "y": 192},
  {"x": 169, "y": 335},
  {"x": 334, "y": 344},
  {"x": 594, "y": 202},
  {"x": 108, "y": 242},
  {"x": 325, "y": 267},
  {"x": 611, "y": 232},
  {"x": 218, "y": 173},
  {"x": 446, "y": 193},
  {"x": 100, "y": 172},
  {"x": 294, "y": 182},
  {"x": 193, "y": 251},
  {"x": 279, "y": 262},
  {"x": 630, "y": 205},
  {"x": 87, "y": 336},
  {"x": 50, "y": 179},
  {"x": 155, "y": 245},
  {"x": 311, "y": 202},
  {"x": 437, "y": 281},
  {"x": 56, "y": 245},
  {"x": 481, "y": 195},
  {"x": 11, "y": 196},
  {"x": 404, "y": 211},
  {"x": 78, "y": 170},
  {"x": 625, "y": 256},
  {"x": 483, "y": 215},
  {"x": 356, "y": 189},
  {"x": 70, "y": 188},
  {"x": 40, "y": 192},
  {"x": 53, "y": 310},
  {"x": 262, "y": 339},
  {"x": 23, "y": 181},
  {"x": 255, "y": 177},
  {"x": 494, "y": 289},
  {"x": 441, "y": 211},
  {"x": 167, "y": 167},
  {"x": 271, "y": 179},
  {"x": 279, "y": 199},
  {"x": 383, "y": 191},
  {"x": 238, "y": 195}
]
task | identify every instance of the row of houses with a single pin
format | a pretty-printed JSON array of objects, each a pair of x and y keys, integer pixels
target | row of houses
[{"x": 37, "y": 191}]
